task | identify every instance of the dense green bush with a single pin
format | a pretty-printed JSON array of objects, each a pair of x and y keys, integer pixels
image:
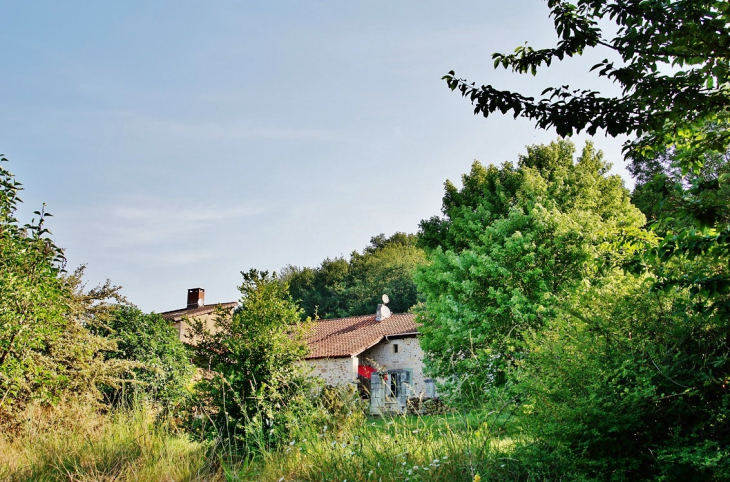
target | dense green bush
[
  {"x": 46, "y": 349},
  {"x": 631, "y": 383},
  {"x": 257, "y": 390},
  {"x": 512, "y": 241},
  {"x": 163, "y": 370}
]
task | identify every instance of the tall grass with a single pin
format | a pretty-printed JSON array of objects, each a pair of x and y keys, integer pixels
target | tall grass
[
  {"x": 76, "y": 443},
  {"x": 450, "y": 448}
]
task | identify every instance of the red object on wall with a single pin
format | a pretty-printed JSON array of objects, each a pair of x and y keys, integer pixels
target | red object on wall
[{"x": 365, "y": 370}]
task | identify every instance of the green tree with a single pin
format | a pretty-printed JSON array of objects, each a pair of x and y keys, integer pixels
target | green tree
[
  {"x": 673, "y": 72},
  {"x": 631, "y": 381},
  {"x": 46, "y": 349},
  {"x": 258, "y": 386},
  {"x": 319, "y": 291},
  {"x": 515, "y": 240},
  {"x": 661, "y": 187},
  {"x": 339, "y": 288},
  {"x": 635, "y": 386},
  {"x": 163, "y": 369}
]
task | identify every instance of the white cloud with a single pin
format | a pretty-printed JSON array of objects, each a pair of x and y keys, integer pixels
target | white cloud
[{"x": 152, "y": 231}]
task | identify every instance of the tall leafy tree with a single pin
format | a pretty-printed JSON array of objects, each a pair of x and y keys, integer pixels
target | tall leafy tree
[
  {"x": 674, "y": 72},
  {"x": 341, "y": 287},
  {"x": 630, "y": 378},
  {"x": 257, "y": 384},
  {"x": 162, "y": 367},
  {"x": 47, "y": 351},
  {"x": 673, "y": 68},
  {"x": 513, "y": 240}
]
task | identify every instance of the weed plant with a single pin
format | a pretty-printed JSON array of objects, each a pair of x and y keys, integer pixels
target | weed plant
[
  {"x": 73, "y": 442},
  {"x": 454, "y": 448},
  {"x": 340, "y": 443}
]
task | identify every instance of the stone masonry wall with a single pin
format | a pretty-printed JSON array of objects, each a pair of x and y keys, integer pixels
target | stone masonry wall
[
  {"x": 184, "y": 332},
  {"x": 410, "y": 355},
  {"x": 334, "y": 371}
]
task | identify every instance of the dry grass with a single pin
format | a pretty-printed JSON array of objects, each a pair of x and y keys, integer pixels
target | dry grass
[
  {"x": 76, "y": 443},
  {"x": 73, "y": 442},
  {"x": 404, "y": 448}
]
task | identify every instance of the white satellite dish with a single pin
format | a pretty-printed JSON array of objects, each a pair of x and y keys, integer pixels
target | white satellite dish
[{"x": 386, "y": 299}]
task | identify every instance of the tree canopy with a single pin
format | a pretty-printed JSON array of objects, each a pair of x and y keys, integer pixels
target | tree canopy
[
  {"x": 673, "y": 72},
  {"x": 627, "y": 377},
  {"x": 340, "y": 287},
  {"x": 47, "y": 351},
  {"x": 257, "y": 384},
  {"x": 512, "y": 241}
]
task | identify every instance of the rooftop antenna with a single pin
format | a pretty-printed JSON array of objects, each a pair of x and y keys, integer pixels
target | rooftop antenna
[{"x": 383, "y": 311}]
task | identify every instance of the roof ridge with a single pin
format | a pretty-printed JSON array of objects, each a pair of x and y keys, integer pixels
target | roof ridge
[
  {"x": 211, "y": 306},
  {"x": 348, "y": 336}
]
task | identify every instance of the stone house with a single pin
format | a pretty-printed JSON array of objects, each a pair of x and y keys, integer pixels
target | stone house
[
  {"x": 379, "y": 350},
  {"x": 195, "y": 309},
  {"x": 378, "y": 353}
]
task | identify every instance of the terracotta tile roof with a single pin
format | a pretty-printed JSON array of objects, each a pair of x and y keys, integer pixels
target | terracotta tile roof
[
  {"x": 350, "y": 336},
  {"x": 176, "y": 315}
]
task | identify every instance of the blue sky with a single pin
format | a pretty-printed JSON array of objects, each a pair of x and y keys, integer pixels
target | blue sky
[{"x": 179, "y": 143}]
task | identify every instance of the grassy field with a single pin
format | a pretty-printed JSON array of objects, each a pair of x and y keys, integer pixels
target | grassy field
[
  {"x": 132, "y": 446},
  {"x": 77, "y": 444}
]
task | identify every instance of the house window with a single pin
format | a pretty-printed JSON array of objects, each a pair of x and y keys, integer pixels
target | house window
[
  {"x": 395, "y": 348},
  {"x": 399, "y": 382}
]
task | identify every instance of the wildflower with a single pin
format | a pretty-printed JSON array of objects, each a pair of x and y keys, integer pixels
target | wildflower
[
  {"x": 435, "y": 461},
  {"x": 370, "y": 473},
  {"x": 477, "y": 478},
  {"x": 292, "y": 443},
  {"x": 415, "y": 431},
  {"x": 415, "y": 467},
  {"x": 403, "y": 463}
]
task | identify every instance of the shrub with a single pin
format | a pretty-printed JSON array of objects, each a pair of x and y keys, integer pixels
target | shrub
[
  {"x": 163, "y": 370},
  {"x": 46, "y": 349},
  {"x": 258, "y": 388}
]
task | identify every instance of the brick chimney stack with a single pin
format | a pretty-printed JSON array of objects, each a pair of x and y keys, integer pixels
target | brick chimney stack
[{"x": 196, "y": 297}]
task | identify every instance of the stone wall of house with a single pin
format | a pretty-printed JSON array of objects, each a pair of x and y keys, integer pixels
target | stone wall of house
[
  {"x": 335, "y": 371},
  {"x": 184, "y": 332},
  {"x": 408, "y": 356}
]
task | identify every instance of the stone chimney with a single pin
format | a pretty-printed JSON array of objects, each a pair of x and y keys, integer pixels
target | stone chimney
[
  {"x": 383, "y": 311},
  {"x": 196, "y": 297}
]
